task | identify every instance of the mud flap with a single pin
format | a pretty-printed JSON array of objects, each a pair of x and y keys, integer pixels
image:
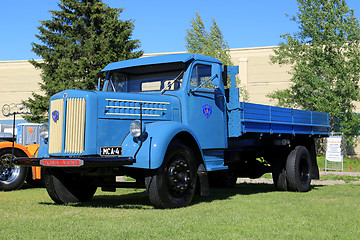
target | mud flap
[{"x": 203, "y": 180}]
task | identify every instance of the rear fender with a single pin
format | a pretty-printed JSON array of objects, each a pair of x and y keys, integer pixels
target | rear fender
[{"x": 158, "y": 136}]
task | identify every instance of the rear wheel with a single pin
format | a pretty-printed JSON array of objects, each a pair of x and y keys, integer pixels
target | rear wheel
[
  {"x": 12, "y": 177},
  {"x": 173, "y": 185},
  {"x": 65, "y": 187},
  {"x": 298, "y": 167}
]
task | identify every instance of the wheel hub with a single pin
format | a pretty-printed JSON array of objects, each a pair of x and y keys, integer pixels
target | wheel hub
[
  {"x": 8, "y": 171},
  {"x": 179, "y": 177}
]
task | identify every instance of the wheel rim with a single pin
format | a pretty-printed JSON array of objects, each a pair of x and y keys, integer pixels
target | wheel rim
[
  {"x": 179, "y": 177},
  {"x": 304, "y": 170},
  {"x": 8, "y": 171}
]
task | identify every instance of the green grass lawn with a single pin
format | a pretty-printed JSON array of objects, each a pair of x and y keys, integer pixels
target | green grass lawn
[
  {"x": 350, "y": 164},
  {"x": 248, "y": 211}
]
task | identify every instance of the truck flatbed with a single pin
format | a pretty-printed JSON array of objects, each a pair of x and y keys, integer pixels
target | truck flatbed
[{"x": 256, "y": 118}]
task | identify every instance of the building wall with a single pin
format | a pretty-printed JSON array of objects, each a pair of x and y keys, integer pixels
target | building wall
[
  {"x": 258, "y": 75},
  {"x": 18, "y": 79}
]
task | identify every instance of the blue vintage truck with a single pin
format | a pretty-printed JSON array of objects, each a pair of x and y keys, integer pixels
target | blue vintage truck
[{"x": 168, "y": 122}]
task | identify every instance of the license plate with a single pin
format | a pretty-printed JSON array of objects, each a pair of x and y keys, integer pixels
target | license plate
[{"x": 110, "y": 151}]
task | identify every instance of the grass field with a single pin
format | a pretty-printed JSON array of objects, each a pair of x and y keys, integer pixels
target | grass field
[
  {"x": 350, "y": 164},
  {"x": 248, "y": 211}
]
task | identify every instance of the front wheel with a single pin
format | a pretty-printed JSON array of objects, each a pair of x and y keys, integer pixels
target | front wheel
[
  {"x": 65, "y": 187},
  {"x": 12, "y": 177},
  {"x": 173, "y": 185}
]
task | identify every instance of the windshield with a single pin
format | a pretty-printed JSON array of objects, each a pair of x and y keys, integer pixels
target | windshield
[{"x": 140, "y": 81}]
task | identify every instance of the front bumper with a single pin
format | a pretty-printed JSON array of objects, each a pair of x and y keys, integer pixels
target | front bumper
[{"x": 75, "y": 162}]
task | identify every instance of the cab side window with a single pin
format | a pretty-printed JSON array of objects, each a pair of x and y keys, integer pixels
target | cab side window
[{"x": 200, "y": 74}]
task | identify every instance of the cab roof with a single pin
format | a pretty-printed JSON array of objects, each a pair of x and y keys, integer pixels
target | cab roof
[{"x": 161, "y": 59}]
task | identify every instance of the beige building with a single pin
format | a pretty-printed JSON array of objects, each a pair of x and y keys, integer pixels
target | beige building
[{"x": 18, "y": 79}]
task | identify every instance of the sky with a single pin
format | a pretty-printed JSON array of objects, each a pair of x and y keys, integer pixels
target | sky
[{"x": 160, "y": 25}]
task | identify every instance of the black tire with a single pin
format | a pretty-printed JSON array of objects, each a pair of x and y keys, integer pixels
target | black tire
[
  {"x": 173, "y": 185},
  {"x": 66, "y": 188},
  {"x": 12, "y": 177},
  {"x": 298, "y": 168}
]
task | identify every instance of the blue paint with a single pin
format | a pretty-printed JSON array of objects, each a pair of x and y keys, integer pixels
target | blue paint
[{"x": 196, "y": 106}]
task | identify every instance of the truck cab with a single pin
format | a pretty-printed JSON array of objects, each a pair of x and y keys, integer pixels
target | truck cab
[{"x": 169, "y": 122}]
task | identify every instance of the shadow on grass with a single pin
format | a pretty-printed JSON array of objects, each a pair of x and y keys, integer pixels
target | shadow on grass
[
  {"x": 140, "y": 200},
  {"x": 239, "y": 189}
]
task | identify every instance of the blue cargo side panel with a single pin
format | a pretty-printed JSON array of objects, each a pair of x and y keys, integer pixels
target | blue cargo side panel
[{"x": 257, "y": 118}]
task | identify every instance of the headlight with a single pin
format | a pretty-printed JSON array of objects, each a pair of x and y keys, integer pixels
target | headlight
[
  {"x": 135, "y": 128},
  {"x": 44, "y": 131}
]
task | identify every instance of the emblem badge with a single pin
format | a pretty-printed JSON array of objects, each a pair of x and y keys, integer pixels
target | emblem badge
[
  {"x": 55, "y": 115},
  {"x": 207, "y": 110}
]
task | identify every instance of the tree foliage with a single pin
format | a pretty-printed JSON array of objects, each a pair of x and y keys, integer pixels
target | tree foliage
[
  {"x": 213, "y": 44},
  {"x": 324, "y": 55},
  {"x": 80, "y": 39}
]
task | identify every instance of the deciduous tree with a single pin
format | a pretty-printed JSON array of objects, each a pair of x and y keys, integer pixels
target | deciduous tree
[
  {"x": 213, "y": 44},
  {"x": 325, "y": 64}
]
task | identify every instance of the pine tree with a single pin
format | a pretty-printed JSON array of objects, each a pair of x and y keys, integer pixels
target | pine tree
[
  {"x": 324, "y": 56},
  {"x": 80, "y": 39}
]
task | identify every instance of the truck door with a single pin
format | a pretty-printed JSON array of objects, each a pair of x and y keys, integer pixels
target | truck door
[{"x": 206, "y": 113}]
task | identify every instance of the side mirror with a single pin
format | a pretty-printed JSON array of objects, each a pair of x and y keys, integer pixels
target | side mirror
[{"x": 215, "y": 75}]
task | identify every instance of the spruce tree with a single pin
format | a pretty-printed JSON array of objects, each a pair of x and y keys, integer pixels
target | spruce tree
[
  {"x": 76, "y": 43},
  {"x": 325, "y": 63}
]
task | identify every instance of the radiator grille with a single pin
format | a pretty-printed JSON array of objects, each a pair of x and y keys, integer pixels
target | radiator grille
[
  {"x": 56, "y": 126},
  {"x": 75, "y": 125},
  {"x": 122, "y": 107}
]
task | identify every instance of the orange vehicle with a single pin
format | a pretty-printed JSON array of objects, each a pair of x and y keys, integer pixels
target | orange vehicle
[{"x": 12, "y": 177}]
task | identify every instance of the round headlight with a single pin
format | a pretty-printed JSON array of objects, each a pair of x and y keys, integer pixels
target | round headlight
[
  {"x": 44, "y": 131},
  {"x": 136, "y": 128}
]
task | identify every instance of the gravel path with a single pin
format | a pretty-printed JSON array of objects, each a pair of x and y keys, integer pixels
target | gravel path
[{"x": 313, "y": 182}]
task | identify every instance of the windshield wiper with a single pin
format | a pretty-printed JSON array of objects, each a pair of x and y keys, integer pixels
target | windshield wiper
[{"x": 172, "y": 82}]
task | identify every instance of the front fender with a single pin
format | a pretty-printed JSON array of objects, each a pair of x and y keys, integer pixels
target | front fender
[
  {"x": 17, "y": 146},
  {"x": 158, "y": 137}
]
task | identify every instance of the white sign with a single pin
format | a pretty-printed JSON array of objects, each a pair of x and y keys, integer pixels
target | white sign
[{"x": 333, "y": 150}]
